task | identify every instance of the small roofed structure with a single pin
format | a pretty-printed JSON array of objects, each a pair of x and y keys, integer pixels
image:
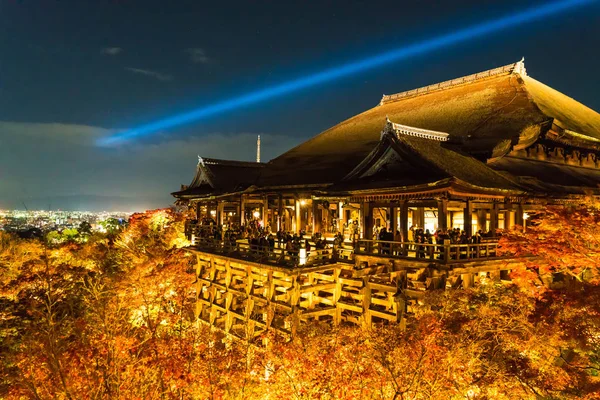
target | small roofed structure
[{"x": 474, "y": 153}]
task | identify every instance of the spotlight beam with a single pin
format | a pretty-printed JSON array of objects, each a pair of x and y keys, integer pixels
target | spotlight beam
[{"x": 415, "y": 49}]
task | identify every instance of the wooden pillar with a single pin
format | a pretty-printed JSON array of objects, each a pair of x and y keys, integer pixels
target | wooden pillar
[
  {"x": 467, "y": 215},
  {"x": 341, "y": 217},
  {"x": 481, "y": 219},
  {"x": 507, "y": 210},
  {"x": 519, "y": 214},
  {"x": 394, "y": 218},
  {"x": 443, "y": 214},
  {"x": 242, "y": 210},
  {"x": 325, "y": 213},
  {"x": 265, "y": 211},
  {"x": 419, "y": 217},
  {"x": 404, "y": 220},
  {"x": 298, "y": 216},
  {"x": 366, "y": 300},
  {"x": 367, "y": 216},
  {"x": 279, "y": 212},
  {"x": 198, "y": 211},
  {"x": 220, "y": 212},
  {"x": 316, "y": 217},
  {"x": 494, "y": 219}
]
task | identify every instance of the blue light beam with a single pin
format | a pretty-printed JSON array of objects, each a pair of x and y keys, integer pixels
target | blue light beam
[{"x": 418, "y": 48}]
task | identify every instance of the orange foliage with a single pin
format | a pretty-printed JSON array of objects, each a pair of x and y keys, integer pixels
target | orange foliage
[{"x": 113, "y": 318}]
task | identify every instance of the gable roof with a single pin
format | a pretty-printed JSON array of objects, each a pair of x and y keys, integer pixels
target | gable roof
[
  {"x": 221, "y": 176},
  {"x": 403, "y": 159},
  {"x": 483, "y": 111}
]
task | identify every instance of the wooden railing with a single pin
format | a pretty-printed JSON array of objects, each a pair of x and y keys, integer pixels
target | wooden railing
[
  {"x": 278, "y": 254},
  {"x": 444, "y": 252},
  {"x": 243, "y": 249}
]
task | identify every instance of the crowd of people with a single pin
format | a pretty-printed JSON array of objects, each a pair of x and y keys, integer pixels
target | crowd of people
[
  {"x": 260, "y": 239},
  {"x": 418, "y": 238},
  {"x": 422, "y": 242}
]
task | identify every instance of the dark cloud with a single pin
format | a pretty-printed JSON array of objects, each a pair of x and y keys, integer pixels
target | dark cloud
[
  {"x": 112, "y": 51},
  {"x": 152, "y": 74},
  {"x": 52, "y": 161},
  {"x": 197, "y": 55}
]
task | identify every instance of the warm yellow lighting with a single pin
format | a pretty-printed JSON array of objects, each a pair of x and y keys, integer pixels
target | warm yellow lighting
[
  {"x": 302, "y": 202},
  {"x": 230, "y": 213},
  {"x": 256, "y": 214},
  {"x": 302, "y": 256},
  {"x": 525, "y": 216},
  {"x": 213, "y": 212}
]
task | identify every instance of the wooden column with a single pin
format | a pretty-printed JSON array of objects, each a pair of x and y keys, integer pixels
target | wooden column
[
  {"x": 220, "y": 212},
  {"x": 481, "y": 219},
  {"x": 242, "y": 210},
  {"x": 394, "y": 218},
  {"x": 507, "y": 210},
  {"x": 265, "y": 211},
  {"x": 404, "y": 220},
  {"x": 443, "y": 214},
  {"x": 279, "y": 212},
  {"x": 316, "y": 217},
  {"x": 519, "y": 214},
  {"x": 367, "y": 220},
  {"x": 419, "y": 217},
  {"x": 298, "y": 216},
  {"x": 494, "y": 218},
  {"x": 467, "y": 217},
  {"x": 341, "y": 217}
]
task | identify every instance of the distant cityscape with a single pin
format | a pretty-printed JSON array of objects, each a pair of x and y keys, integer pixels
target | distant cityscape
[{"x": 20, "y": 221}]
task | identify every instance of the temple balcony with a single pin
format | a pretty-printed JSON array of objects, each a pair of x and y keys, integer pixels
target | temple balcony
[{"x": 360, "y": 254}]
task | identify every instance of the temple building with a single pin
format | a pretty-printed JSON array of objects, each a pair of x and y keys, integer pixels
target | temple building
[
  {"x": 476, "y": 154},
  {"x": 473, "y": 153}
]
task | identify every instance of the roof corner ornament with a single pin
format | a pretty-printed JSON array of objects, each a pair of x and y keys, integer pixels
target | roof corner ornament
[
  {"x": 200, "y": 161},
  {"x": 388, "y": 127},
  {"x": 520, "y": 67},
  {"x": 382, "y": 101}
]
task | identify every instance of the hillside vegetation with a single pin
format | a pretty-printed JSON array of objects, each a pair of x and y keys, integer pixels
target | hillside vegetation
[{"x": 111, "y": 317}]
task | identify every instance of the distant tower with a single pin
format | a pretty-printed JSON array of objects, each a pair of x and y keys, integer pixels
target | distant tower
[{"x": 258, "y": 149}]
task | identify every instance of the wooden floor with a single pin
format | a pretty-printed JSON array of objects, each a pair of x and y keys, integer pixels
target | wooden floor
[{"x": 244, "y": 298}]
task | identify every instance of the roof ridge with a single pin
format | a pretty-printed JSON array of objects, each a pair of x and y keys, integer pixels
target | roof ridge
[
  {"x": 231, "y": 163},
  {"x": 514, "y": 68}
]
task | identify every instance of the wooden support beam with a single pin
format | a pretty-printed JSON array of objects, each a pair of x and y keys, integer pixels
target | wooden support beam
[
  {"x": 443, "y": 214},
  {"x": 265, "y": 211},
  {"x": 494, "y": 211},
  {"x": 468, "y": 218},
  {"x": 393, "y": 213},
  {"x": 419, "y": 217},
  {"x": 366, "y": 303},
  {"x": 519, "y": 214},
  {"x": 298, "y": 217},
  {"x": 481, "y": 220},
  {"x": 404, "y": 220},
  {"x": 242, "y": 210},
  {"x": 507, "y": 209},
  {"x": 280, "y": 212},
  {"x": 316, "y": 216}
]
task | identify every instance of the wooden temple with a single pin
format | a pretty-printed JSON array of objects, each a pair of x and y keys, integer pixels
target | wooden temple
[{"x": 476, "y": 154}]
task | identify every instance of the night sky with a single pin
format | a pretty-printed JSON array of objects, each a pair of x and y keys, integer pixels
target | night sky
[{"x": 74, "y": 71}]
